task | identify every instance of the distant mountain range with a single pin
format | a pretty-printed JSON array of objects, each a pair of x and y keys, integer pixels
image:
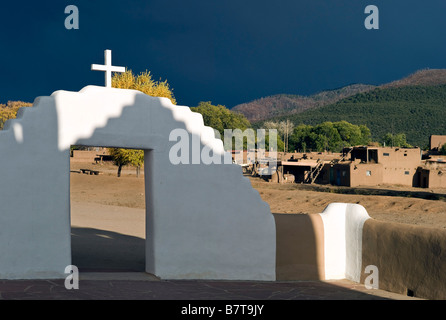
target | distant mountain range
[
  {"x": 287, "y": 104},
  {"x": 426, "y": 77},
  {"x": 414, "y": 105}
]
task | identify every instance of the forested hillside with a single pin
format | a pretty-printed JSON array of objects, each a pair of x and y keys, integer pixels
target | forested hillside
[{"x": 417, "y": 111}]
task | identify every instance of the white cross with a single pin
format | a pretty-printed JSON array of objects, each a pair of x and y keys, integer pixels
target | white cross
[{"x": 107, "y": 67}]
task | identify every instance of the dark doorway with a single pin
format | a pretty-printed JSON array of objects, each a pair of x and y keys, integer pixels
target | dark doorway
[
  {"x": 338, "y": 177},
  {"x": 425, "y": 185}
]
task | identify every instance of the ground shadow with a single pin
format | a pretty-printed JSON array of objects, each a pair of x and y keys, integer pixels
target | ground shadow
[
  {"x": 95, "y": 250},
  {"x": 299, "y": 247}
]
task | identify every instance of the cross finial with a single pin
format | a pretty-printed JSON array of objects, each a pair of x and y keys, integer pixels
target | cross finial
[{"x": 107, "y": 67}]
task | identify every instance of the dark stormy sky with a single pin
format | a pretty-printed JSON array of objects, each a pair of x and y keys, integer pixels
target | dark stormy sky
[{"x": 227, "y": 51}]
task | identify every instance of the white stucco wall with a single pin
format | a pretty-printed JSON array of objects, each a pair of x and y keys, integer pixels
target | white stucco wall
[
  {"x": 203, "y": 221},
  {"x": 343, "y": 224}
]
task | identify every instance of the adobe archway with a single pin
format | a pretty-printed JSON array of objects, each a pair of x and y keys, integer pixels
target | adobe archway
[{"x": 203, "y": 221}]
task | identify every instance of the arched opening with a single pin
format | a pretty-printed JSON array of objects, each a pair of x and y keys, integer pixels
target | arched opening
[{"x": 108, "y": 213}]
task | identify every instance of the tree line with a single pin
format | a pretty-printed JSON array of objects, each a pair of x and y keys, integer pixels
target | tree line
[
  {"x": 326, "y": 136},
  {"x": 416, "y": 111}
]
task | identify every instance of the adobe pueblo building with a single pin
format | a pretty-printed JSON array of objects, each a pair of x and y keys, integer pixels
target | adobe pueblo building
[
  {"x": 432, "y": 173},
  {"x": 363, "y": 166},
  {"x": 372, "y": 166},
  {"x": 435, "y": 143}
]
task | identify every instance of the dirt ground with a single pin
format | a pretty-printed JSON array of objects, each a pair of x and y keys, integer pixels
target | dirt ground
[
  {"x": 406, "y": 207},
  {"x": 293, "y": 198},
  {"x": 106, "y": 188}
]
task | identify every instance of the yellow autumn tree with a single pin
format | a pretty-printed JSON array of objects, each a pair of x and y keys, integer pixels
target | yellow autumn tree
[
  {"x": 144, "y": 83},
  {"x": 123, "y": 157},
  {"x": 9, "y": 111}
]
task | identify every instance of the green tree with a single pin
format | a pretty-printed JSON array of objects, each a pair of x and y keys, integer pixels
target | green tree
[
  {"x": 396, "y": 140},
  {"x": 328, "y": 137},
  {"x": 331, "y": 136},
  {"x": 220, "y": 118},
  {"x": 351, "y": 134},
  {"x": 300, "y": 138},
  {"x": 365, "y": 134}
]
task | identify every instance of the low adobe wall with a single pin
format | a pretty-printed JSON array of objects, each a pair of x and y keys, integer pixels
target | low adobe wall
[
  {"x": 343, "y": 240},
  {"x": 408, "y": 258},
  {"x": 322, "y": 246},
  {"x": 299, "y": 247}
]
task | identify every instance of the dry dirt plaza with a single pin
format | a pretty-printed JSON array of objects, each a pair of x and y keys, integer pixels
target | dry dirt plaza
[{"x": 127, "y": 193}]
